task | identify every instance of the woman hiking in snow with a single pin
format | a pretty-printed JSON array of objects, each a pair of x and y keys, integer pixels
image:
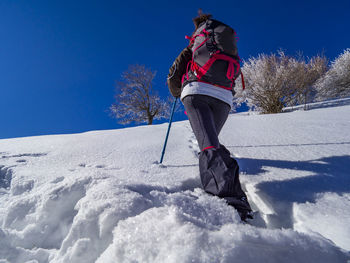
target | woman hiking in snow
[{"x": 203, "y": 77}]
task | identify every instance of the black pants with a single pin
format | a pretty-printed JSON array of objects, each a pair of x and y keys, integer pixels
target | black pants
[
  {"x": 219, "y": 172},
  {"x": 207, "y": 116}
]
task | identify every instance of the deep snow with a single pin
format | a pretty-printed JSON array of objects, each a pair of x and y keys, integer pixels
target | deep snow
[{"x": 102, "y": 196}]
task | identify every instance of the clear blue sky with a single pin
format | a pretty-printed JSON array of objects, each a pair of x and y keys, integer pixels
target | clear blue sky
[{"x": 59, "y": 60}]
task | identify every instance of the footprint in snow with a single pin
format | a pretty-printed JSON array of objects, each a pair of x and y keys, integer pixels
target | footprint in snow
[
  {"x": 57, "y": 180},
  {"x": 114, "y": 168}
]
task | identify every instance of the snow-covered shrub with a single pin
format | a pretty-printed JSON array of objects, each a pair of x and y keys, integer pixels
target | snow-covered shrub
[
  {"x": 277, "y": 80},
  {"x": 336, "y": 82}
]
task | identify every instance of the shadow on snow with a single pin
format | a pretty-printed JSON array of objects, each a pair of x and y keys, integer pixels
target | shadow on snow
[{"x": 329, "y": 174}]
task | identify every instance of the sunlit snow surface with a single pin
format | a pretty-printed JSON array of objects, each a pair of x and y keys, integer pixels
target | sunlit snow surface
[{"x": 103, "y": 197}]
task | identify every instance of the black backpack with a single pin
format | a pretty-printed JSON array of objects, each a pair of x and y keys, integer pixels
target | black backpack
[{"x": 215, "y": 57}]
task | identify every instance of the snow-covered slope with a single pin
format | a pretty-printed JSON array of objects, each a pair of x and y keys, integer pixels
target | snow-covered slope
[
  {"x": 102, "y": 196},
  {"x": 321, "y": 104}
]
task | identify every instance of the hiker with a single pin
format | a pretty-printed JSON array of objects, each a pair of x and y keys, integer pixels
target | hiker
[{"x": 203, "y": 77}]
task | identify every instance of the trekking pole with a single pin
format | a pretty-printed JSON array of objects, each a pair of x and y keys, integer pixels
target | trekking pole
[{"x": 167, "y": 133}]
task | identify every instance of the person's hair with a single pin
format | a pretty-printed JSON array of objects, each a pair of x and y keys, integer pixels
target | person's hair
[{"x": 200, "y": 19}]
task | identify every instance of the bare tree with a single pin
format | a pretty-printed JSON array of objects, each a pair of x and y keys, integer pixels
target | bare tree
[
  {"x": 275, "y": 81},
  {"x": 136, "y": 101},
  {"x": 306, "y": 74},
  {"x": 336, "y": 82}
]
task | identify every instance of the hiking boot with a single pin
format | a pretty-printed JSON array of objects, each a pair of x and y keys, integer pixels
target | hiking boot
[
  {"x": 242, "y": 206},
  {"x": 244, "y": 215}
]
